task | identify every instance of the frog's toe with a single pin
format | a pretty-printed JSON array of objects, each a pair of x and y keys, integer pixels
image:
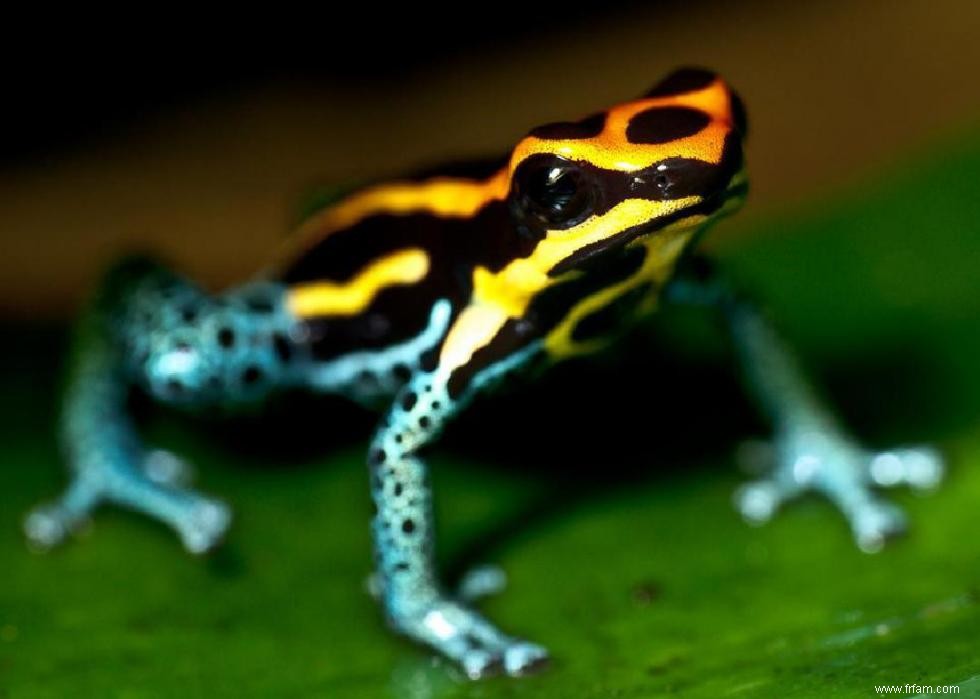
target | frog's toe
[
  {"x": 204, "y": 525},
  {"x": 482, "y": 581},
  {"x": 523, "y": 658},
  {"x": 921, "y": 468},
  {"x": 874, "y": 522},
  {"x": 759, "y": 500},
  {"x": 480, "y": 663},
  {"x": 166, "y": 468},
  {"x": 47, "y": 526},
  {"x": 50, "y": 524}
]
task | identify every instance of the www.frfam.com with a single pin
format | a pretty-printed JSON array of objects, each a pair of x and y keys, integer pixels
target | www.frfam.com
[{"x": 917, "y": 689}]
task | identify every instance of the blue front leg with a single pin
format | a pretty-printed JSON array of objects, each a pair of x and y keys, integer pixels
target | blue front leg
[
  {"x": 414, "y": 601},
  {"x": 150, "y": 329},
  {"x": 811, "y": 450}
]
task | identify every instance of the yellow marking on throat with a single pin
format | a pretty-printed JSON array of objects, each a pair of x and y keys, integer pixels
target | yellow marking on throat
[
  {"x": 663, "y": 251},
  {"x": 351, "y": 297},
  {"x": 506, "y": 294}
]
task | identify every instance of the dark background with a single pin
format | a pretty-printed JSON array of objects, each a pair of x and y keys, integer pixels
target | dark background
[
  {"x": 196, "y": 134},
  {"x": 604, "y": 489}
]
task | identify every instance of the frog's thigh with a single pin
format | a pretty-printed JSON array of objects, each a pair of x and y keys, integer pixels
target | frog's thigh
[{"x": 192, "y": 349}]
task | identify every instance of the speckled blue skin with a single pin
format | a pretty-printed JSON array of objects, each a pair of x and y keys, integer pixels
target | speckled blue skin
[
  {"x": 151, "y": 329},
  {"x": 526, "y": 246}
]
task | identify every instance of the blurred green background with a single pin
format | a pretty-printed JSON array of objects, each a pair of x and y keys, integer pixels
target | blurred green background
[{"x": 629, "y": 564}]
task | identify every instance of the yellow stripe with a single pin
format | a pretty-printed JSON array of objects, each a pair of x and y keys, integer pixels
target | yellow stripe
[
  {"x": 663, "y": 251},
  {"x": 441, "y": 196},
  {"x": 499, "y": 296},
  {"x": 352, "y": 297},
  {"x": 611, "y": 149}
]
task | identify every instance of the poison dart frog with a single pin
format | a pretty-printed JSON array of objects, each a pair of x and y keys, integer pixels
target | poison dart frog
[{"x": 421, "y": 293}]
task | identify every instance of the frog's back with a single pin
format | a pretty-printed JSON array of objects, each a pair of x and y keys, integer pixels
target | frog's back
[{"x": 366, "y": 272}]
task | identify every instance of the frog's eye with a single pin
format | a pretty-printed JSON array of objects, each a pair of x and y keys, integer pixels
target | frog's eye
[{"x": 552, "y": 192}]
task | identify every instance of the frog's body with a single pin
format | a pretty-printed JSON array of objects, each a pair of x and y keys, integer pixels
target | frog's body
[{"x": 418, "y": 294}]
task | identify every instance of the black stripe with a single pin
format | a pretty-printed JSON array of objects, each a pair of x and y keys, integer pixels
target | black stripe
[
  {"x": 612, "y": 317},
  {"x": 546, "y": 311}
]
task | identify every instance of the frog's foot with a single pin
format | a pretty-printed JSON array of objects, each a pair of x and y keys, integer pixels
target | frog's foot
[
  {"x": 468, "y": 639},
  {"x": 847, "y": 475},
  {"x": 154, "y": 490},
  {"x": 166, "y": 468}
]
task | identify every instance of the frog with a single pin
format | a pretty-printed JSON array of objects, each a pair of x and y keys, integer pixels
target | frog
[{"x": 420, "y": 293}]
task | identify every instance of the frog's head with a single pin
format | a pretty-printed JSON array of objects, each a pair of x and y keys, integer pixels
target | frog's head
[{"x": 657, "y": 170}]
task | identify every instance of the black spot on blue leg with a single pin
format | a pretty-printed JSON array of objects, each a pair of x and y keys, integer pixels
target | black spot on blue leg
[
  {"x": 282, "y": 347},
  {"x": 226, "y": 338}
]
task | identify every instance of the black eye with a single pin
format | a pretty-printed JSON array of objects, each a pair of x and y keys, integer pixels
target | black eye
[{"x": 553, "y": 192}]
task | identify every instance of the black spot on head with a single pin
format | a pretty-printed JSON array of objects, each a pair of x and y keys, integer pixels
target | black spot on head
[
  {"x": 589, "y": 127},
  {"x": 409, "y": 400},
  {"x": 378, "y": 457},
  {"x": 398, "y": 439},
  {"x": 399, "y": 488},
  {"x": 401, "y": 372},
  {"x": 251, "y": 375},
  {"x": 665, "y": 124},
  {"x": 226, "y": 337},
  {"x": 283, "y": 348},
  {"x": 408, "y": 526},
  {"x": 436, "y": 405},
  {"x": 424, "y": 422},
  {"x": 681, "y": 81},
  {"x": 401, "y": 566},
  {"x": 188, "y": 314}
]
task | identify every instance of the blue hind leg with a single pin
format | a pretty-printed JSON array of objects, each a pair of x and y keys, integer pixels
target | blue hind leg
[{"x": 150, "y": 329}]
